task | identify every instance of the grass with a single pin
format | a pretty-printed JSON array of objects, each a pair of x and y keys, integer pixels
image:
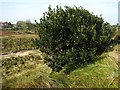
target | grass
[
  {"x": 20, "y": 73},
  {"x": 16, "y": 44},
  {"x": 31, "y": 74},
  {"x": 101, "y": 74},
  {"x": 34, "y": 73}
]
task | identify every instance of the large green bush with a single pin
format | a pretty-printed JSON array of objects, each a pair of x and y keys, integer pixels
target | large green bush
[{"x": 72, "y": 35}]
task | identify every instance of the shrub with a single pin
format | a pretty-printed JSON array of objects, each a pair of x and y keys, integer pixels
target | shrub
[
  {"x": 72, "y": 35},
  {"x": 117, "y": 39}
]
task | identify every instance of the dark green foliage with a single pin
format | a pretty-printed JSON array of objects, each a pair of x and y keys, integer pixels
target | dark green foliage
[
  {"x": 10, "y": 25},
  {"x": 117, "y": 39},
  {"x": 17, "y": 28},
  {"x": 71, "y": 36}
]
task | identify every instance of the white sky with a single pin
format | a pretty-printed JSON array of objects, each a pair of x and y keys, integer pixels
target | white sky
[{"x": 15, "y": 10}]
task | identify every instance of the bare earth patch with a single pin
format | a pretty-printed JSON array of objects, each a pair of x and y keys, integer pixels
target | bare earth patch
[
  {"x": 8, "y": 33},
  {"x": 116, "y": 53}
]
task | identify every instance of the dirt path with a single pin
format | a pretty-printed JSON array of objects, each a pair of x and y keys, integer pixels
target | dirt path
[
  {"x": 115, "y": 54},
  {"x": 23, "y": 36},
  {"x": 23, "y": 53}
]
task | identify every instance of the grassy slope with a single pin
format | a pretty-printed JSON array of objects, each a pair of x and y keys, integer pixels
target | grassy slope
[{"x": 101, "y": 74}]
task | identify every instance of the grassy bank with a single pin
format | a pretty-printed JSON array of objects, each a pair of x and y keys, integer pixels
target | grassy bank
[{"x": 30, "y": 71}]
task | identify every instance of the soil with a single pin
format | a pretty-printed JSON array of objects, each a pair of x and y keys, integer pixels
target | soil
[
  {"x": 115, "y": 55},
  {"x": 8, "y": 33}
]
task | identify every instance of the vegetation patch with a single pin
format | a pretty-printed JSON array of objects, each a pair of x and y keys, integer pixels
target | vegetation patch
[
  {"x": 74, "y": 45},
  {"x": 73, "y": 36},
  {"x": 32, "y": 72},
  {"x": 16, "y": 44},
  {"x": 101, "y": 74}
]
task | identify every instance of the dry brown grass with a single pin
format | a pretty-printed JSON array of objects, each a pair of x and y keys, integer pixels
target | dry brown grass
[{"x": 8, "y": 33}]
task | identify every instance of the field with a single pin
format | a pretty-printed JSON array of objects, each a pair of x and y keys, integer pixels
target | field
[
  {"x": 8, "y": 33},
  {"x": 23, "y": 67}
]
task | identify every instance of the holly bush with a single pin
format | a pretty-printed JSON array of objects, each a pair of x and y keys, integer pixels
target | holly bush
[{"x": 72, "y": 35}]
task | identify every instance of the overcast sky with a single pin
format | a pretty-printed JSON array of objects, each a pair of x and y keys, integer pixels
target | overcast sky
[{"x": 15, "y": 10}]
